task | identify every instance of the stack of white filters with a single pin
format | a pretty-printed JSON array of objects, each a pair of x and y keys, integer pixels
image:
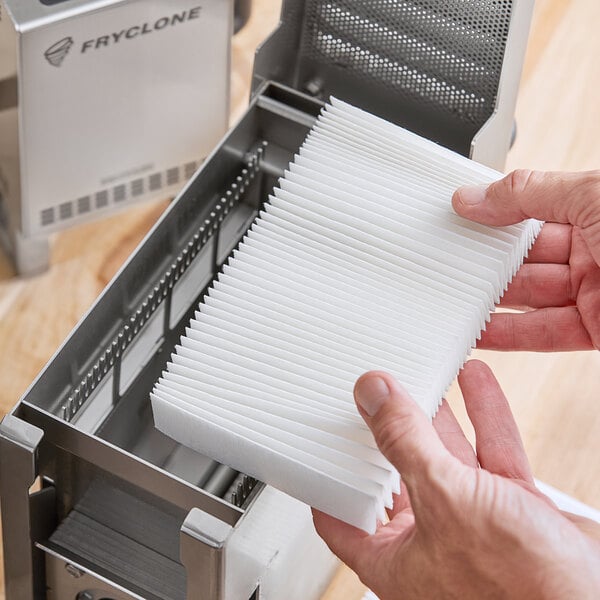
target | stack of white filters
[{"x": 357, "y": 262}]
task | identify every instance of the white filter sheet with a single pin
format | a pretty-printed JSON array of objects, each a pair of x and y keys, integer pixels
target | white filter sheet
[{"x": 358, "y": 262}]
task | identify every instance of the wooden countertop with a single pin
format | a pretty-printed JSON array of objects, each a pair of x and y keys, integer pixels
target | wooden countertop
[{"x": 555, "y": 397}]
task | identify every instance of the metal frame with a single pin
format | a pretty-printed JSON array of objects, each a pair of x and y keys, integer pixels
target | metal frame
[{"x": 43, "y": 430}]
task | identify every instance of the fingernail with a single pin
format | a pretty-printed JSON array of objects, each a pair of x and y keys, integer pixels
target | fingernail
[
  {"x": 371, "y": 393},
  {"x": 471, "y": 195}
]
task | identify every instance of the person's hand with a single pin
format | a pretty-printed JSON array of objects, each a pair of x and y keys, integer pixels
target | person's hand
[
  {"x": 466, "y": 525},
  {"x": 559, "y": 286}
]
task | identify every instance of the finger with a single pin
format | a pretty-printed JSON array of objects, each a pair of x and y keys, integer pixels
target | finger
[
  {"x": 553, "y": 196},
  {"x": 531, "y": 487},
  {"x": 453, "y": 438},
  {"x": 557, "y": 197},
  {"x": 588, "y": 301},
  {"x": 588, "y": 526},
  {"x": 540, "y": 286},
  {"x": 586, "y": 279},
  {"x": 345, "y": 541},
  {"x": 401, "y": 429},
  {"x": 362, "y": 552},
  {"x": 452, "y": 435},
  {"x": 498, "y": 442},
  {"x": 542, "y": 330},
  {"x": 553, "y": 245}
]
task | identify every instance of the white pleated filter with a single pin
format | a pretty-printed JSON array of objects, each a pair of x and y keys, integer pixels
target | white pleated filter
[{"x": 358, "y": 262}]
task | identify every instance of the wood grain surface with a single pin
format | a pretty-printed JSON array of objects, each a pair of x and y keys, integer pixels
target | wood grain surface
[{"x": 555, "y": 397}]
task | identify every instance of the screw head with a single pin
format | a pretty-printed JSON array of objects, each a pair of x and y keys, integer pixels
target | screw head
[{"x": 73, "y": 571}]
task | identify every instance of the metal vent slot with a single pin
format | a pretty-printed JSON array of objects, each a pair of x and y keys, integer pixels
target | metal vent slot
[
  {"x": 141, "y": 349},
  {"x": 191, "y": 283},
  {"x": 101, "y": 199},
  {"x": 190, "y": 169},
  {"x": 65, "y": 211},
  {"x": 119, "y": 193},
  {"x": 155, "y": 181},
  {"x": 83, "y": 205},
  {"x": 47, "y": 216},
  {"x": 137, "y": 187},
  {"x": 173, "y": 176}
]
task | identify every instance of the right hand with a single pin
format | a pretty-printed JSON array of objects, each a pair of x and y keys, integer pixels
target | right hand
[
  {"x": 559, "y": 284},
  {"x": 469, "y": 522}
]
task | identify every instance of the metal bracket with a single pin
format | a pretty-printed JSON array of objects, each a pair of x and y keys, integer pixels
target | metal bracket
[
  {"x": 202, "y": 552},
  {"x": 19, "y": 443}
]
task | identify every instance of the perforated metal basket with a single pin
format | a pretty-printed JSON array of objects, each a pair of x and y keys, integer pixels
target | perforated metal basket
[{"x": 433, "y": 66}]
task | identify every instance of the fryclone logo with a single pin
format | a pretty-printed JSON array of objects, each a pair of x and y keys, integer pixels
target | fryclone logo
[
  {"x": 57, "y": 52},
  {"x": 142, "y": 29}
]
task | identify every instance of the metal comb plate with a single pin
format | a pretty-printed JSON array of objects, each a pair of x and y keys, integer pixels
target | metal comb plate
[{"x": 111, "y": 356}]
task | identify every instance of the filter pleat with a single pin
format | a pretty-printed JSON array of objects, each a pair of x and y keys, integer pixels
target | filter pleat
[{"x": 357, "y": 262}]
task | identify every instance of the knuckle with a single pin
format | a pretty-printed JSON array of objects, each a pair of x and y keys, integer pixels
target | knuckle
[
  {"x": 447, "y": 483},
  {"x": 590, "y": 185},
  {"x": 548, "y": 330},
  {"x": 589, "y": 193},
  {"x": 591, "y": 179},
  {"x": 393, "y": 431},
  {"x": 518, "y": 181},
  {"x": 508, "y": 193}
]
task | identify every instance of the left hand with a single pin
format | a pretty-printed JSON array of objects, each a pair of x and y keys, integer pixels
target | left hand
[
  {"x": 467, "y": 524},
  {"x": 558, "y": 287}
]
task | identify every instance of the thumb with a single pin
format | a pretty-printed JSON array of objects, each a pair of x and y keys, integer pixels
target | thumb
[
  {"x": 402, "y": 431},
  {"x": 554, "y": 196}
]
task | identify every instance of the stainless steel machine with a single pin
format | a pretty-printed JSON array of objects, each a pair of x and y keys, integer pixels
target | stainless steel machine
[
  {"x": 96, "y": 503},
  {"x": 103, "y": 103}
]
